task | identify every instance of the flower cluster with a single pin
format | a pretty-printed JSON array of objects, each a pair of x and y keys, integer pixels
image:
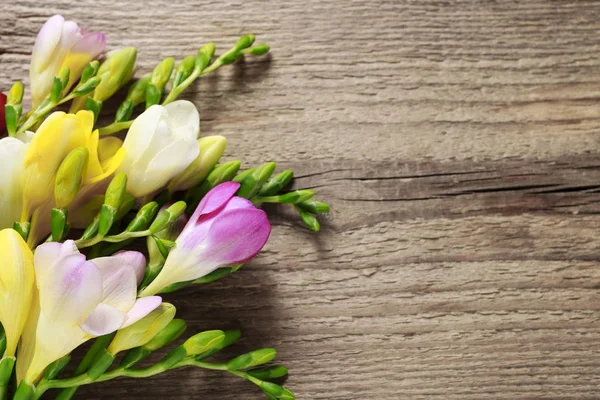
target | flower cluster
[{"x": 74, "y": 197}]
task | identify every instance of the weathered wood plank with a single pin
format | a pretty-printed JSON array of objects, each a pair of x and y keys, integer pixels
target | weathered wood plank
[{"x": 458, "y": 145}]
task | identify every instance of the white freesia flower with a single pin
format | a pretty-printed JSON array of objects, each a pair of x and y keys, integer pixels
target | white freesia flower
[
  {"x": 61, "y": 44},
  {"x": 12, "y": 152},
  {"x": 160, "y": 144},
  {"x": 80, "y": 300}
]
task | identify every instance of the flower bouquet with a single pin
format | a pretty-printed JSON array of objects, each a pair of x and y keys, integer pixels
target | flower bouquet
[{"x": 75, "y": 197}]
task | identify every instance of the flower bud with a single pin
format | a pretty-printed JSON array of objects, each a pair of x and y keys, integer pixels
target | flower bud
[
  {"x": 89, "y": 71},
  {"x": 211, "y": 150},
  {"x": 184, "y": 70},
  {"x": 204, "y": 56},
  {"x": 204, "y": 341},
  {"x": 15, "y": 95},
  {"x": 252, "y": 359},
  {"x": 170, "y": 333},
  {"x": 269, "y": 373},
  {"x": 295, "y": 197},
  {"x": 116, "y": 190},
  {"x": 87, "y": 86},
  {"x": 137, "y": 91},
  {"x": 115, "y": 72},
  {"x": 167, "y": 217},
  {"x": 143, "y": 330},
  {"x": 258, "y": 50},
  {"x": 277, "y": 183},
  {"x": 162, "y": 72},
  {"x": 309, "y": 220},
  {"x": 313, "y": 206},
  {"x": 143, "y": 218},
  {"x": 69, "y": 176},
  {"x": 251, "y": 183}
]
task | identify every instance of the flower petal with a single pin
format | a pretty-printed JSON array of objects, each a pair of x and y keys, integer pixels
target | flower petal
[
  {"x": 184, "y": 119},
  {"x": 141, "y": 308},
  {"x": 71, "y": 291},
  {"x": 119, "y": 278},
  {"x": 235, "y": 237},
  {"x": 103, "y": 320},
  {"x": 45, "y": 43},
  {"x": 214, "y": 199}
]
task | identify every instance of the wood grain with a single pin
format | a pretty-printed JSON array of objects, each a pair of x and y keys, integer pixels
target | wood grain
[{"x": 458, "y": 144}]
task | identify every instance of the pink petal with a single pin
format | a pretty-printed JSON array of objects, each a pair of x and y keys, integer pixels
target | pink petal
[
  {"x": 92, "y": 44},
  {"x": 72, "y": 290},
  {"x": 47, "y": 254},
  {"x": 135, "y": 260},
  {"x": 141, "y": 308},
  {"x": 236, "y": 236},
  {"x": 214, "y": 199},
  {"x": 103, "y": 320}
]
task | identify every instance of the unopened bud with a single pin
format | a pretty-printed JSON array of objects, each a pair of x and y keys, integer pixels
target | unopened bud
[
  {"x": 162, "y": 72},
  {"x": 69, "y": 176},
  {"x": 211, "y": 150},
  {"x": 204, "y": 341},
  {"x": 184, "y": 70},
  {"x": 115, "y": 72}
]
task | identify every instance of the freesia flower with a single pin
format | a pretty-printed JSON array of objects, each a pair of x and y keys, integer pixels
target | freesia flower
[
  {"x": 58, "y": 135},
  {"x": 12, "y": 152},
  {"x": 225, "y": 230},
  {"x": 16, "y": 286},
  {"x": 61, "y": 44},
  {"x": 80, "y": 300},
  {"x": 160, "y": 144}
]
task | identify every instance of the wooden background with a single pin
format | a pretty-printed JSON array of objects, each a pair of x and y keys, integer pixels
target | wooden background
[{"x": 458, "y": 143}]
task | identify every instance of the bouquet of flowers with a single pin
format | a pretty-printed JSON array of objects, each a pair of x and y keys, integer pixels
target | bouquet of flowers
[{"x": 74, "y": 198}]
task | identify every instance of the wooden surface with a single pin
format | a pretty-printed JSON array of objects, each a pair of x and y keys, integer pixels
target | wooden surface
[{"x": 458, "y": 143}]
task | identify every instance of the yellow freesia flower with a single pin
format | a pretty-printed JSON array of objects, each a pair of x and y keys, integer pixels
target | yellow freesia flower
[{"x": 58, "y": 135}]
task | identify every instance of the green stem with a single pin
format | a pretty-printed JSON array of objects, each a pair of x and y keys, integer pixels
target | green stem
[
  {"x": 172, "y": 96},
  {"x": 115, "y": 127},
  {"x": 112, "y": 239}
]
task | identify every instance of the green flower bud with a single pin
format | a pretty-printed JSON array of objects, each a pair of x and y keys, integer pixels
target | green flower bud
[
  {"x": 15, "y": 95},
  {"x": 251, "y": 183},
  {"x": 277, "y": 183},
  {"x": 126, "y": 206},
  {"x": 211, "y": 150},
  {"x": 153, "y": 95},
  {"x": 244, "y": 42},
  {"x": 279, "y": 392},
  {"x": 314, "y": 207},
  {"x": 170, "y": 333},
  {"x": 252, "y": 359},
  {"x": 89, "y": 71},
  {"x": 162, "y": 72},
  {"x": 143, "y": 330},
  {"x": 269, "y": 373},
  {"x": 115, "y": 72},
  {"x": 309, "y": 220},
  {"x": 124, "y": 111},
  {"x": 115, "y": 193},
  {"x": 204, "y": 56},
  {"x": 69, "y": 176},
  {"x": 87, "y": 86},
  {"x": 204, "y": 341},
  {"x": 258, "y": 50},
  {"x": 143, "y": 218},
  {"x": 295, "y": 197},
  {"x": 184, "y": 70},
  {"x": 231, "y": 336},
  {"x": 168, "y": 216},
  {"x": 137, "y": 91}
]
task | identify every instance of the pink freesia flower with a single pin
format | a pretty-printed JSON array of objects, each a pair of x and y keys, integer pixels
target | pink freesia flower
[
  {"x": 80, "y": 299},
  {"x": 61, "y": 44},
  {"x": 225, "y": 230}
]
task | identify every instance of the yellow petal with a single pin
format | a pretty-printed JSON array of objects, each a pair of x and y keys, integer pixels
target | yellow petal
[{"x": 16, "y": 286}]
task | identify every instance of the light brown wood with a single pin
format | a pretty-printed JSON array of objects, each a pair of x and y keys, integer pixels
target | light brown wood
[{"x": 458, "y": 143}]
